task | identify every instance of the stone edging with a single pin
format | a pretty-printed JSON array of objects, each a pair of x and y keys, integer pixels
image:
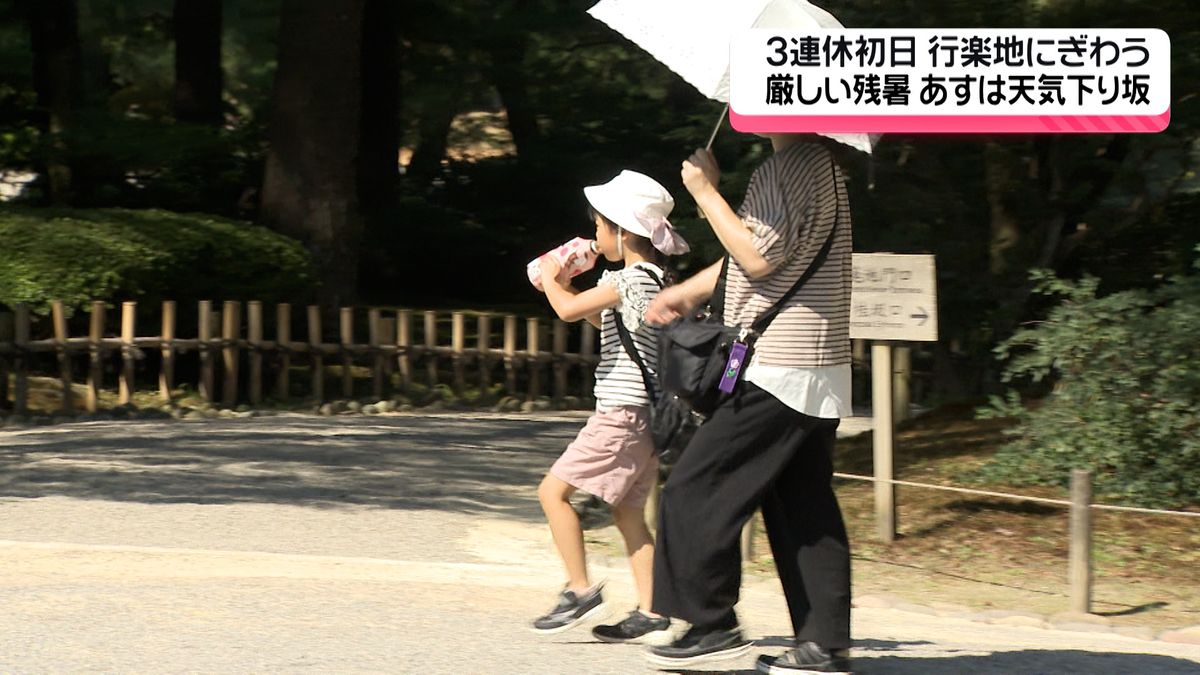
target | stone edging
[{"x": 1069, "y": 621}]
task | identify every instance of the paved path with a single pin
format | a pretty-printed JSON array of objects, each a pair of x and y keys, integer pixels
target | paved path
[{"x": 397, "y": 544}]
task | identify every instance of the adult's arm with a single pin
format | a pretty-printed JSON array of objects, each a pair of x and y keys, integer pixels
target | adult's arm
[
  {"x": 700, "y": 176},
  {"x": 680, "y": 299}
]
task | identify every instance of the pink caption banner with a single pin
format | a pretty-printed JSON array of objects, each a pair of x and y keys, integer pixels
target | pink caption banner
[
  {"x": 950, "y": 81},
  {"x": 951, "y": 124}
]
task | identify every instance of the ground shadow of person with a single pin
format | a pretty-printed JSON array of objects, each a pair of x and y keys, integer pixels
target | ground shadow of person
[
  {"x": 1024, "y": 661},
  {"x": 872, "y": 657}
]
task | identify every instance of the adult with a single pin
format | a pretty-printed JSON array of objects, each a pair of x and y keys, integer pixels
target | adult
[{"x": 768, "y": 445}]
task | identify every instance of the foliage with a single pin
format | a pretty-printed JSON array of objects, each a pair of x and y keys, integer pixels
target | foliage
[
  {"x": 114, "y": 254},
  {"x": 1124, "y": 372},
  {"x": 1099, "y": 204}
]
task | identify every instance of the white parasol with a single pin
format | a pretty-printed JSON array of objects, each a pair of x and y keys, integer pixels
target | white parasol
[{"x": 691, "y": 37}]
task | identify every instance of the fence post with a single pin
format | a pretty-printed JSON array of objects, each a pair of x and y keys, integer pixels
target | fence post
[
  {"x": 901, "y": 376},
  {"x": 95, "y": 356},
  {"x": 559, "y": 348},
  {"x": 860, "y": 381},
  {"x": 387, "y": 337},
  {"x": 431, "y": 348},
  {"x": 483, "y": 343},
  {"x": 404, "y": 343},
  {"x": 746, "y": 541},
  {"x": 231, "y": 332},
  {"x": 373, "y": 331},
  {"x": 881, "y": 410},
  {"x": 283, "y": 342},
  {"x": 6, "y": 338},
  {"x": 254, "y": 338},
  {"x": 532, "y": 333},
  {"x": 457, "y": 344},
  {"x": 166, "y": 374},
  {"x": 1079, "y": 561},
  {"x": 205, "y": 330},
  {"x": 510, "y": 354},
  {"x": 318, "y": 360},
  {"x": 587, "y": 347},
  {"x": 128, "y": 331},
  {"x": 58, "y": 313},
  {"x": 21, "y": 362},
  {"x": 347, "y": 339}
]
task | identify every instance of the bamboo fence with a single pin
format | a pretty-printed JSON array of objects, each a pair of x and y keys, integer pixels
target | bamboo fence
[{"x": 233, "y": 349}]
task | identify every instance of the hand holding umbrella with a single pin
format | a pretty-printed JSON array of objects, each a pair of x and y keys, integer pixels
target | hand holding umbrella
[{"x": 700, "y": 172}]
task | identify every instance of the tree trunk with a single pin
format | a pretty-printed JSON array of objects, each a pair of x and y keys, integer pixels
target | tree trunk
[
  {"x": 433, "y": 128},
  {"x": 198, "y": 81},
  {"x": 1005, "y": 230},
  {"x": 508, "y": 74},
  {"x": 310, "y": 186},
  {"x": 380, "y": 143},
  {"x": 57, "y": 71}
]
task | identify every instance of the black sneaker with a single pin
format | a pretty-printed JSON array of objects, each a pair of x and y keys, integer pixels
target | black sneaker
[
  {"x": 806, "y": 657},
  {"x": 637, "y": 627},
  {"x": 570, "y": 611},
  {"x": 700, "y": 645}
]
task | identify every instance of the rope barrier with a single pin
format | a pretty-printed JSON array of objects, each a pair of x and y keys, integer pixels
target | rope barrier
[{"x": 1023, "y": 498}]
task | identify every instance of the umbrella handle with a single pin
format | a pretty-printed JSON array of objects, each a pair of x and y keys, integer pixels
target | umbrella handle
[{"x": 712, "y": 137}]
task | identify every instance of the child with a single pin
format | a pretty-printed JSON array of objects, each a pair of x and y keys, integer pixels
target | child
[{"x": 613, "y": 456}]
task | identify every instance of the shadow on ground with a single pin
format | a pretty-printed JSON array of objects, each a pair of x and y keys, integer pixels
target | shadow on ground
[
  {"x": 1057, "y": 661},
  {"x": 872, "y": 657},
  {"x": 461, "y": 464}
]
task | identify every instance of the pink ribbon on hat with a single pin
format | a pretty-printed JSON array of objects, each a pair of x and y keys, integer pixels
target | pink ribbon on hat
[{"x": 663, "y": 235}]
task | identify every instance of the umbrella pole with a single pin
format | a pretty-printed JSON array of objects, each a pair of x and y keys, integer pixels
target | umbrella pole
[{"x": 713, "y": 136}]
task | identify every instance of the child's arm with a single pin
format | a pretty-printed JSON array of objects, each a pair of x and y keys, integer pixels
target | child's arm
[{"x": 572, "y": 304}]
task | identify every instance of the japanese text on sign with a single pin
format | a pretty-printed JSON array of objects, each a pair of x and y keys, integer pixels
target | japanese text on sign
[{"x": 951, "y": 72}]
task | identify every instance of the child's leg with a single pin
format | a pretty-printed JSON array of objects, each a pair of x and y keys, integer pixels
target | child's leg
[
  {"x": 554, "y": 494},
  {"x": 631, "y": 522}
]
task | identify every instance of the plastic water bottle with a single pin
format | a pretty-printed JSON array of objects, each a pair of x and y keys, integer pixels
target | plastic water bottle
[{"x": 576, "y": 257}]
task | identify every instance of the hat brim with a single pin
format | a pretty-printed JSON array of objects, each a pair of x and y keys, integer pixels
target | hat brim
[{"x": 610, "y": 205}]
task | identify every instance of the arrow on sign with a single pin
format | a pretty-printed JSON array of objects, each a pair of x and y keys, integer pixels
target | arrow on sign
[{"x": 922, "y": 316}]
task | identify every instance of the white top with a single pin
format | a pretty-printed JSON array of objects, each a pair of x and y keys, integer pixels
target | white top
[
  {"x": 618, "y": 378},
  {"x": 817, "y": 392}
]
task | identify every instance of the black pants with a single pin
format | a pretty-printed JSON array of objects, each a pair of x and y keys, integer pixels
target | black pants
[{"x": 755, "y": 452}]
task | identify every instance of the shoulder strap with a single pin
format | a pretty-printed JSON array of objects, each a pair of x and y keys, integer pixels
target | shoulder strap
[
  {"x": 760, "y": 324},
  {"x": 650, "y": 273},
  {"x": 631, "y": 348}
]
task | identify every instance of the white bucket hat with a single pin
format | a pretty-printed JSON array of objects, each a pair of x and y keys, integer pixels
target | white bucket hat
[{"x": 639, "y": 204}]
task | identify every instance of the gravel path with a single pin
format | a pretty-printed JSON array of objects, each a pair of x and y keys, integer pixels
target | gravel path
[{"x": 401, "y": 544}]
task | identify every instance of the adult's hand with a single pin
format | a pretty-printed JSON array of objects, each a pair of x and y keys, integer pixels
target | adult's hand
[
  {"x": 700, "y": 172},
  {"x": 671, "y": 303}
]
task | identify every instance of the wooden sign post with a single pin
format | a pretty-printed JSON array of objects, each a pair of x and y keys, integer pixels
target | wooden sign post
[{"x": 893, "y": 298}]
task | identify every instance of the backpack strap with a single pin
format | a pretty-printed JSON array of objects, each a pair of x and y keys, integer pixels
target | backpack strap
[{"x": 631, "y": 348}]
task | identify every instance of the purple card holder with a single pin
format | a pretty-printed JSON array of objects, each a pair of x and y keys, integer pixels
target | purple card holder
[{"x": 733, "y": 367}]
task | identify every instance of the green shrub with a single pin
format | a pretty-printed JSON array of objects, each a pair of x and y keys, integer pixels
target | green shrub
[
  {"x": 112, "y": 254},
  {"x": 1124, "y": 396}
]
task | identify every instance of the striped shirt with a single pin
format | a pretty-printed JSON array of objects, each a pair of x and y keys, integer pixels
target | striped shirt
[
  {"x": 618, "y": 378},
  {"x": 793, "y": 201}
]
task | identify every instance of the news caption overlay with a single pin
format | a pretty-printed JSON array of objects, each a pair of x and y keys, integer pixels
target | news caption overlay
[{"x": 1060, "y": 80}]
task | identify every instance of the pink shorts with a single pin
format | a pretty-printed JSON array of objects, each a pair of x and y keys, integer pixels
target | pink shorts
[{"x": 612, "y": 457}]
